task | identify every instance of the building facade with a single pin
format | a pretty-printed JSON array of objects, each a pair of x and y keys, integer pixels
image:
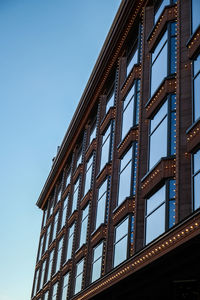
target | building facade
[{"x": 122, "y": 201}]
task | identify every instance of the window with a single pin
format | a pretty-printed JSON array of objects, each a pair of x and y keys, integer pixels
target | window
[
  {"x": 92, "y": 132},
  {"x": 121, "y": 242},
  {"x": 35, "y": 286},
  {"x": 50, "y": 264},
  {"x": 160, "y": 211},
  {"x": 40, "y": 252},
  {"x": 50, "y": 208},
  {"x": 68, "y": 177},
  {"x": 58, "y": 198},
  {"x": 54, "y": 291},
  {"x": 59, "y": 254},
  {"x": 42, "y": 277},
  {"x": 64, "y": 211},
  {"x": 44, "y": 217},
  {"x": 46, "y": 295},
  {"x": 196, "y": 180},
  {"x": 130, "y": 114},
  {"x": 196, "y": 88},
  {"x": 101, "y": 204},
  {"x": 127, "y": 174},
  {"x": 163, "y": 58},
  {"x": 163, "y": 128},
  {"x": 79, "y": 276},
  {"x": 65, "y": 284},
  {"x": 55, "y": 226},
  {"x": 88, "y": 174},
  {"x": 79, "y": 157},
  {"x": 107, "y": 145},
  {"x": 47, "y": 237},
  {"x": 97, "y": 262},
  {"x": 70, "y": 242},
  {"x": 195, "y": 14},
  {"x": 160, "y": 7},
  {"x": 84, "y": 225},
  {"x": 75, "y": 196},
  {"x": 110, "y": 101}
]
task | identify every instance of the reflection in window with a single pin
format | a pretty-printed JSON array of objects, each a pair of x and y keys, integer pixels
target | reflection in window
[
  {"x": 101, "y": 204},
  {"x": 79, "y": 157},
  {"x": 54, "y": 291},
  {"x": 127, "y": 174},
  {"x": 196, "y": 88},
  {"x": 195, "y": 14},
  {"x": 55, "y": 226},
  {"x": 44, "y": 217},
  {"x": 50, "y": 208},
  {"x": 164, "y": 58},
  {"x": 88, "y": 174},
  {"x": 79, "y": 276},
  {"x": 92, "y": 133},
  {"x": 70, "y": 242},
  {"x": 75, "y": 196},
  {"x": 59, "y": 253},
  {"x": 58, "y": 195},
  {"x": 121, "y": 242},
  {"x": 163, "y": 128},
  {"x": 196, "y": 180},
  {"x": 110, "y": 101},
  {"x": 42, "y": 277},
  {"x": 64, "y": 210},
  {"x": 130, "y": 114},
  {"x": 107, "y": 144},
  {"x": 84, "y": 225},
  {"x": 50, "y": 264},
  {"x": 158, "y": 207},
  {"x": 65, "y": 284},
  {"x": 97, "y": 262}
]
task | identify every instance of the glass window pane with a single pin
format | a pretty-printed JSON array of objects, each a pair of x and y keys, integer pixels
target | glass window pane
[
  {"x": 102, "y": 189},
  {"x": 155, "y": 224},
  {"x": 127, "y": 121},
  {"x": 124, "y": 184},
  {"x": 196, "y": 65},
  {"x": 133, "y": 61},
  {"x": 127, "y": 157},
  {"x": 156, "y": 199},
  {"x": 110, "y": 102},
  {"x": 98, "y": 252},
  {"x": 96, "y": 271},
  {"x": 160, "y": 9},
  {"x": 105, "y": 153},
  {"x": 78, "y": 284},
  {"x": 197, "y": 97},
  {"x": 80, "y": 267},
  {"x": 197, "y": 191},
  {"x": 121, "y": 230},
  {"x": 129, "y": 95},
  {"x": 158, "y": 144},
  {"x": 197, "y": 161},
  {"x": 159, "y": 70},
  {"x": 195, "y": 14},
  {"x": 159, "y": 46},
  {"x": 101, "y": 206},
  {"x": 159, "y": 116},
  {"x": 120, "y": 251}
]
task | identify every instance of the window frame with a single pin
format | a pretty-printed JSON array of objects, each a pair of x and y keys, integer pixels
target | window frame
[
  {"x": 86, "y": 217},
  {"x": 75, "y": 204},
  {"x": 107, "y": 196},
  {"x": 65, "y": 287},
  {"x": 110, "y": 136},
  {"x": 93, "y": 262},
  {"x": 194, "y": 174},
  {"x": 70, "y": 237},
  {"x": 77, "y": 275},
  {"x": 194, "y": 77},
  {"x": 87, "y": 170}
]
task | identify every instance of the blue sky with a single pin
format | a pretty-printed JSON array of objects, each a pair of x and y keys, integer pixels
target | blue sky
[{"x": 47, "y": 51}]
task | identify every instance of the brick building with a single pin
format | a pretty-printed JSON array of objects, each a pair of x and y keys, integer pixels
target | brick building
[{"x": 122, "y": 200}]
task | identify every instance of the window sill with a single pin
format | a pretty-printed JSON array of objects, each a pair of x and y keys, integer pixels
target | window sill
[
  {"x": 193, "y": 136},
  {"x": 193, "y": 44},
  {"x": 109, "y": 116},
  {"x": 78, "y": 171},
  {"x": 99, "y": 234},
  {"x": 131, "y": 136},
  {"x": 106, "y": 171},
  {"x": 72, "y": 218},
  {"x": 90, "y": 149},
  {"x": 81, "y": 252},
  {"x": 86, "y": 199},
  {"x": 134, "y": 74},
  {"x": 125, "y": 208}
]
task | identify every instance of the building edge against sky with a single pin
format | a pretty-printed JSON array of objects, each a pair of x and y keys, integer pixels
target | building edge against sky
[{"x": 121, "y": 203}]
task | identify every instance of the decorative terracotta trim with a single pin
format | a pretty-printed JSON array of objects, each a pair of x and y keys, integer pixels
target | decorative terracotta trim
[
  {"x": 72, "y": 218},
  {"x": 86, "y": 199},
  {"x": 107, "y": 170},
  {"x": 66, "y": 191},
  {"x": 80, "y": 253},
  {"x": 78, "y": 171},
  {"x": 99, "y": 235},
  {"x": 168, "y": 86},
  {"x": 90, "y": 149},
  {"x": 128, "y": 206},
  {"x": 130, "y": 137},
  {"x": 193, "y": 137},
  {"x": 55, "y": 278},
  {"x": 165, "y": 168},
  {"x": 67, "y": 267},
  {"x": 61, "y": 233},
  {"x": 194, "y": 44},
  {"x": 169, "y": 14},
  {"x": 134, "y": 74},
  {"x": 110, "y": 115},
  {"x": 163, "y": 245}
]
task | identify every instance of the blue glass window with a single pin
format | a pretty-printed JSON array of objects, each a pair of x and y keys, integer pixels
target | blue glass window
[
  {"x": 70, "y": 242},
  {"x": 84, "y": 225},
  {"x": 79, "y": 276},
  {"x": 196, "y": 88},
  {"x": 196, "y": 180},
  {"x": 59, "y": 252},
  {"x": 68, "y": 176},
  {"x": 160, "y": 211},
  {"x": 88, "y": 174},
  {"x": 101, "y": 203},
  {"x": 54, "y": 291},
  {"x": 92, "y": 133},
  {"x": 127, "y": 174},
  {"x": 110, "y": 101},
  {"x": 64, "y": 211},
  {"x": 75, "y": 196},
  {"x": 164, "y": 58},
  {"x": 195, "y": 14},
  {"x": 46, "y": 295},
  {"x": 65, "y": 285},
  {"x": 40, "y": 251},
  {"x": 121, "y": 242},
  {"x": 97, "y": 262},
  {"x": 50, "y": 264},
  {"x": 163, "y": 128},
  {"x": 130, "y": 114},
  {"x": 55, "y": 227},
  {"x": 107, "y": 145}
]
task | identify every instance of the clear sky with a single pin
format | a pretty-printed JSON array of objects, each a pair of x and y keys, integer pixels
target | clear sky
[{"x": 47, "y": 51}]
